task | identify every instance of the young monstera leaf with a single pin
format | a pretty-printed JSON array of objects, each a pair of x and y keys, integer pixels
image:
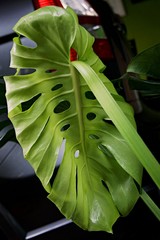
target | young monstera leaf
[{"x": 55, "y": 105}]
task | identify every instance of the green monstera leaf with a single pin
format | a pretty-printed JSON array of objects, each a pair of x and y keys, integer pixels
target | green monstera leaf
[
  {"x": 146, "y": 63},
  {"x": 55, "y": 112}
]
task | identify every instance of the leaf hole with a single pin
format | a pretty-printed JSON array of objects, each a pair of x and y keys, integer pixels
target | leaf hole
[
  {"x": 50, "y": 70},
  {"x": 93, "y": 136},
  {"x": 26, "y": 105},
  {"x": 56, "y": 87},
  {"x": 76, "y": 154},
  {"x": 91, "y": 116},
  {"x": 28, "y": 42},
  {"x": 90, "y": 95},
  {"x": 25, "y": 71},
  {"x": 73, "y": 54},
  {"x": 62, "y": 106},
  {"x": 108, "y": 120},
  {"x": 76, "y": 182},
  {"x": 105, "y": 185},
  {"x": 60, "y": 151},
  {"x": 65, "y": 127},
  {"x": 105, "y": 150}
]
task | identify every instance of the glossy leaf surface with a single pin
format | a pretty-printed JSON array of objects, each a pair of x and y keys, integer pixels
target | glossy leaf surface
[
  {"x": 54, "y": 107},
  {"x": 146, "y": 62}
]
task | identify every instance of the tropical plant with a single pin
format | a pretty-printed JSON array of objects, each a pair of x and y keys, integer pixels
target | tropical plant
[{"x": 71, "y": 103}]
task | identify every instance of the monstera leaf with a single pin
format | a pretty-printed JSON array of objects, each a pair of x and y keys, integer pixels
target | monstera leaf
[
  {"x": 56, "y": 106},
  {"x": 146, "y": 63}
]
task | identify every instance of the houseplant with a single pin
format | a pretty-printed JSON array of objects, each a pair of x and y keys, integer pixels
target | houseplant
[{"x": 72, "y": 103}]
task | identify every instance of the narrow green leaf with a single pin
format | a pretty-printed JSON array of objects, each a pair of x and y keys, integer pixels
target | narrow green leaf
[
  {"x": 151, "y": 205},
  {"x": 120, "y": 120}
]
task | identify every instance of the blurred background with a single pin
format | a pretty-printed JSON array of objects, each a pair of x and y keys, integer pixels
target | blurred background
[{"x": 121, "y": 30}]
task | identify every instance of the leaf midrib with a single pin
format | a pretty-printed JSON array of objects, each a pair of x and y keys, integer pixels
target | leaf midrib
[{"x": 78, "y": 102}]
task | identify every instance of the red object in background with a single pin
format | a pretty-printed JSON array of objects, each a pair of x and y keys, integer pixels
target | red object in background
[
  {"x": 43, "y": 3},
  {"x": 73, "y": 55},
  {"x": 103, "y": 49}
]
